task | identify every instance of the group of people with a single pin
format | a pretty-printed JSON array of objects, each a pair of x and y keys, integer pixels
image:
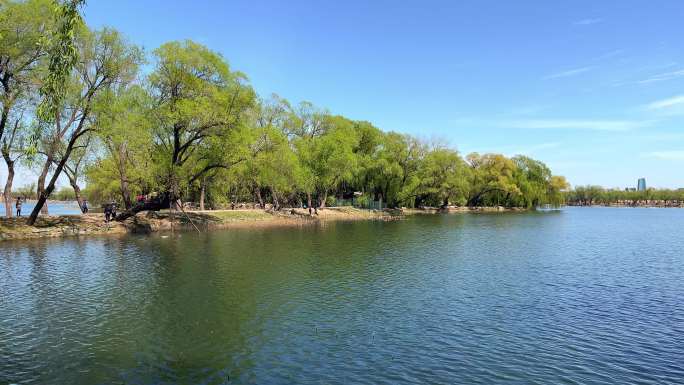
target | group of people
[
  {"x": 109, "y": 208},
  {"x": 110, "y": 211}
]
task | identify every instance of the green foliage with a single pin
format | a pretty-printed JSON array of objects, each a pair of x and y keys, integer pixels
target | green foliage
[
  {"x": 64, "y": 194},
  {"x": 26, "y": 191},
  {"x": 63, "y": 56}
]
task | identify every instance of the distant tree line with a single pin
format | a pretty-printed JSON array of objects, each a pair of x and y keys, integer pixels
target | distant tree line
[
  {"x": 76, "y": 104},
  {"x": 597, "y": 195}
]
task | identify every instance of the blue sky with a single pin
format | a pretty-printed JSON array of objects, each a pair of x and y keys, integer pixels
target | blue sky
[{"x": 593, "y": 88}]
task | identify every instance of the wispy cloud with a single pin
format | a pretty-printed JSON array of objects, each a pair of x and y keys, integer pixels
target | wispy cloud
[
  {"x": 568, "y": 73},
  {"x": 527, "y": 110},
  {"x": 577, "y": 124},
  {"x": 665, "y": 155},
  {"x": 610, "y": 54},
  {"x": 589, "y": 21},
  {"x": 663, "y": 77},
  {"x": 675, "y": 101}
]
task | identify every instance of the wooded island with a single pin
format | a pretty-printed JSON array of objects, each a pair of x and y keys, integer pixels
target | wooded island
[{"x": 77, "y": 103}]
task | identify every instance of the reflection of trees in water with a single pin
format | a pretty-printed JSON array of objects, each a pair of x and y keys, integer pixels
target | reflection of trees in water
[{"x": 194, "y": 315}]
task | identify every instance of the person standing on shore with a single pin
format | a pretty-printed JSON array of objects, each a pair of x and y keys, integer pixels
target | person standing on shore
[
  {"x": 18, "y": 206},
  {"x": 107, "y": 212},
  {"x": 84, "y": 209}
]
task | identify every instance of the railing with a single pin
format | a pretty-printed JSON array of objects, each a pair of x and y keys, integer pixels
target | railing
[{"x": 362, "y": 204}]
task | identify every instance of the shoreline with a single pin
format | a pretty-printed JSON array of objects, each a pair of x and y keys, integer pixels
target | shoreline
[
  {"x": 59, "y": 226},
  {"x": 633, "y": 204}
]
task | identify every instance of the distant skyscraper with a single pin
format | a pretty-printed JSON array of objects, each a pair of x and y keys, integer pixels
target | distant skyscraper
[{"x": 641, "y": 184}]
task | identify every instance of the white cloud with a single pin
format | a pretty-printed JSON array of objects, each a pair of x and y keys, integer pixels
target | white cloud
[
  {"x": 663, "y": 77},
  {"x": 588, "y": 21},
  {"x": 577, "y": 124},
  {"x": 568, "y": 73},
  {"x": 674, "y": 101},
  {"x": 666, "y": 155}
]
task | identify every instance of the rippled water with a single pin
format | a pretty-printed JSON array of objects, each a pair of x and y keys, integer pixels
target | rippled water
[{"x": 583, "y": 296}]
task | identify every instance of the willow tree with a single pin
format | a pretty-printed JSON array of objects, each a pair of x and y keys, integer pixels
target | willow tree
[
  {"x": 198, "y": 103},
  {"x": 443, "y": 177},
  {"x": 124, "y": 164},
  {"x": 105, "y": 60},
  {"x": 490, "y": 174},
  {"x": 23, "y": 28},
  {"x": 532, "y": 178},
  {"x": 329, "y": 159}
]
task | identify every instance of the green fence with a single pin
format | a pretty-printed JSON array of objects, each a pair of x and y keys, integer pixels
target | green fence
[{"x": 362, "y": 204}]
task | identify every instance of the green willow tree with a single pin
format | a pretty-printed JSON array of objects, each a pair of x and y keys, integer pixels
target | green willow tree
[
  {"x": 23, "y": 27},
  {"x": 198, "y": 103},
  {"x": 124, "y": 133},
  {"x": 105, "y": 60}
]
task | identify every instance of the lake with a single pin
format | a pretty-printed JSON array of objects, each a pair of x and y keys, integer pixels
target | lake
[
  {"x": 54, "y": 208},
  {"x": 578, "y": 296}
]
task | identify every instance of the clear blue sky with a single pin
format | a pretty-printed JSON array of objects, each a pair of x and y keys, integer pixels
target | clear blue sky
[{"x": 593, "y": 88}]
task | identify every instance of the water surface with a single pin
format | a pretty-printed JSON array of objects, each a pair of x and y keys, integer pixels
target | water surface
[{"x": 582, "y": 296}]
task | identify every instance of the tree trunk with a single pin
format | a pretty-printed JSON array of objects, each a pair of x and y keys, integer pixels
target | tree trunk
[
  {"x": 325, "y": 198},
  {"x": 44, "y": 192},
  {"x": 41, "y": 184},
  {"x": 173, "y": 192},
  {"x": 77, "y": 192},
  {"x": 7, "y": 193},
  {"x": 276, "y": 204},
  {"x": 308, "y": 200},
  {"x": 259, "y": 198},
  {"x": 202, "y": 193},
  {"x": 123, "y": 179},
  {"x": 155, "y": 205}
]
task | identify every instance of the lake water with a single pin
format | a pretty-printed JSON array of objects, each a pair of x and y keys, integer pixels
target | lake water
[
  {"x": 581, "y": 296},
  {"x": 54, "y": 208}
]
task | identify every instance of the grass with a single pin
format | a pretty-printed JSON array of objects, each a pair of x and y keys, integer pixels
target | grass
[{"x": 240, "y": 215}]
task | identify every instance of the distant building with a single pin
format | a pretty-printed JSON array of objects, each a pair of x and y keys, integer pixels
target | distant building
[
  {"x": 641, "y": 184},
  {"x": 630, "y": 189}
]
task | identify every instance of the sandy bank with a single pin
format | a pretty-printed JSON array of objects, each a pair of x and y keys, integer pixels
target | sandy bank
[{"x": 149, "y": 222}]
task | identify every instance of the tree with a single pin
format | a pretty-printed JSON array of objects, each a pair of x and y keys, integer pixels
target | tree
[
  {"x": 490, "y": 174},
  {"x": 12, "y": 149},
  {"x": 199, "y": 102},
  {"x": 23, "y": 28},
  {"x": 73, "y": 168},
  {"x": 443, "y": 177},
  {"x": 329, "y": 158},
  {"x": 532, "y": 178},
  {"x": 105, "y": 60},
  {"x": 63, "y": 57},
  {"x": 125, "y": 137}
]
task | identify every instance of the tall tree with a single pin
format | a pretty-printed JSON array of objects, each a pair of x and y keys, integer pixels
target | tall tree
[
  {"x": 125, "y": 137},
  {"x": 443, "y": 177},
  {"x": 199, "y": 102},
  {"x": 23, "y": 28},
  {"x": 12, "y": 149},
  {"x": 105, "y": 60},
  {"x": 490, "y": 174}
]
